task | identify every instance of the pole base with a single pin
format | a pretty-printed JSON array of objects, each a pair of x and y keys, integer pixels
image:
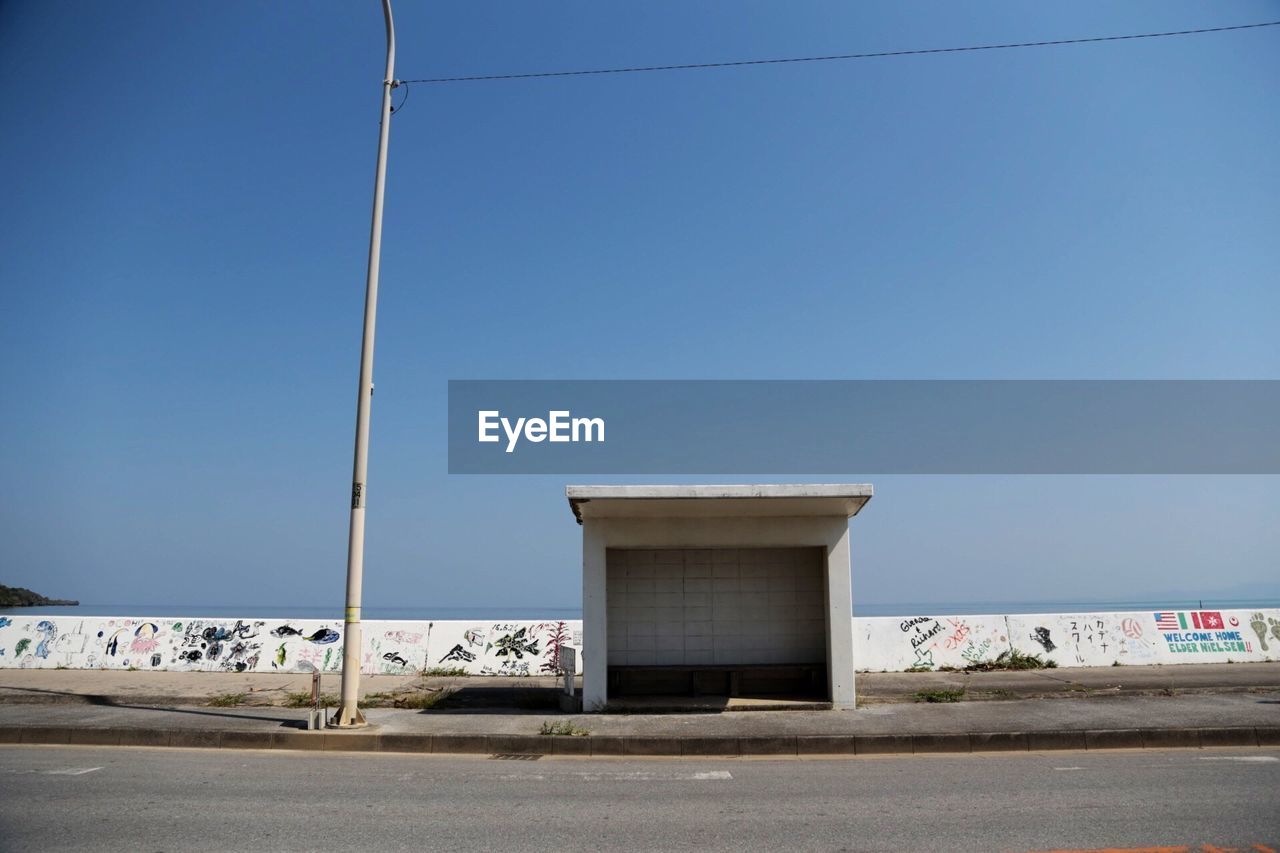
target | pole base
[{"x": 348, "y": 717}]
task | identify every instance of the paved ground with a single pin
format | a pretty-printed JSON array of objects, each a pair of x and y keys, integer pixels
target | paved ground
[
  {"x": 68, "y": 798},
  {"x": 1234, "y": 719},
  {"x": 1038, "y": 715},
  {"x": 1147, "y": 707},
  {"x": 193, "y": 688}
]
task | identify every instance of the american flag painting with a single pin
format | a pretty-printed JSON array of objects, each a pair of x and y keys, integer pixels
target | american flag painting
[{"x": 1167, "y": 621}]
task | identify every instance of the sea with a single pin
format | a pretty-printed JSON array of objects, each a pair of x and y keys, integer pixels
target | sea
[{"x": 428, "y": 612}]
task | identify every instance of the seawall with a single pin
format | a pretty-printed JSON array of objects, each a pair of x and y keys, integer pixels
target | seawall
[{"x": 479, "y": 647}]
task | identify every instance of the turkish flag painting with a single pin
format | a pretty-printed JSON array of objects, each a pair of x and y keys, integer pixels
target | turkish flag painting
[{"x": 1207, "y": 621}]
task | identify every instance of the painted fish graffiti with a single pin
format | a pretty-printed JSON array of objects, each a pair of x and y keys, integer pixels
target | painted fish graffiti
[
  {"x": 458, "y": 653},
  {"x": 246, "y": 645},
  {"x": 322, "y": 636},
  {"x": 516, "y": 644},
  {"x": 47, "y": 632},
  {"x": 1041, "y": 636},
  {"x": 113, "y": 642}
]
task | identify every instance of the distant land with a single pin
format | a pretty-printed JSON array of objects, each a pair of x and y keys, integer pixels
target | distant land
[{"x": 17, "y": 596}]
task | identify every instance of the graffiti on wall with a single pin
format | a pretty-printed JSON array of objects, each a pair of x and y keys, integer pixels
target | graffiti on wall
[
  {"x": 533, "y": 647},
  {"x": 1083, "y": 639},
  {"x": 1107, "y": 639},
  {"x": 244, "y": 645},
  {"x": 1264, "y": 627},
  {"x": 1067, "y": 639},
  {"x": 1208, "y": 632},
  {"x": 928, "y": 642}
]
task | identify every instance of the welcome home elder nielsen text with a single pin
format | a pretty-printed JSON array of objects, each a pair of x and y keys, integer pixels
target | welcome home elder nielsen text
[{"x": 559, "y": 426}]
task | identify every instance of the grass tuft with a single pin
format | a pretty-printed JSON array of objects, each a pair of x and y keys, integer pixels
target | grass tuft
[
  {"x": 1012, "y": 659},
  {"x": 422, "y": 700},
  {"x": 228, "y": 700},
  {"x": 940, "y": 695},
  {"x": 563, "y": 728},
  {"x": 444, "y": 672},
  {"x": 302, "y": 699}
]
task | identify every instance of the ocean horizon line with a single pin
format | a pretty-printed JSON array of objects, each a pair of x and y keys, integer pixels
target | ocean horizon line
[{"x": 525, "y": 612}]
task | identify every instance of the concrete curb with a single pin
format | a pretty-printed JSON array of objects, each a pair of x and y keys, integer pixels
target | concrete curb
[{"x": 605, "y": 745}]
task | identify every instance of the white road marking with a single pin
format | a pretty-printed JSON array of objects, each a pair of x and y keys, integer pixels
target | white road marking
[
  {"x": 1252, "y": 758},
  {"x": 625, "y": 776},
  {"x": 1068, "y": 768},
  {"x": 72, "y": 771}
]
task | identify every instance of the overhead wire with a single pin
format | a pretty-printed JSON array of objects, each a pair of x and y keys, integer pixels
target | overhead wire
[
  {"x": 838, "y": 57},
  {"x": 396, "y": 84}
]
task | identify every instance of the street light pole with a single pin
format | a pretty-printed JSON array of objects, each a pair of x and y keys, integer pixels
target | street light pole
[{"x": 349, "y": 711}]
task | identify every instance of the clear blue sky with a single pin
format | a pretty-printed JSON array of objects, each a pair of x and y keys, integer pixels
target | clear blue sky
[{"x": 184, "y": 223}]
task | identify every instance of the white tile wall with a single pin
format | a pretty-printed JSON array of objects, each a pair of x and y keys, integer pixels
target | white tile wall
[{"x": 719, "y": 605}]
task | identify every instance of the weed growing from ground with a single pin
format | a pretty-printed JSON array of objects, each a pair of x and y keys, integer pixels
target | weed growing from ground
[
  {"x": 940, "y": 695},
  {"x": 302, "y": 699},
  {"x": 564, "y": 727},
  {"x": 422, "y": 700},
  {"x": 1012, "y": 659}
]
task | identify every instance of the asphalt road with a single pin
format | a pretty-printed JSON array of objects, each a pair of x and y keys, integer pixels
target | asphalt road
[{"x": 89, "y": 798}]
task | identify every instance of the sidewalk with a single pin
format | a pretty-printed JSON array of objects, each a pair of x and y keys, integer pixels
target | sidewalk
[
  {"x": 49, "y": 686},
  {"x": 1238, "y": 719},
  {"x": 1156, "y": 707}
]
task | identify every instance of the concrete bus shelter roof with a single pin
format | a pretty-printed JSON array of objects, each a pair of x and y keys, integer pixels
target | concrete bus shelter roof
[{"x": 774, "y": 500}]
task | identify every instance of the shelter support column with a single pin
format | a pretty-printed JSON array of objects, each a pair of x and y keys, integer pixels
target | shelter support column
[
  {"x": 840, "y": 621},
  {"x": 595, "y": 628}
]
